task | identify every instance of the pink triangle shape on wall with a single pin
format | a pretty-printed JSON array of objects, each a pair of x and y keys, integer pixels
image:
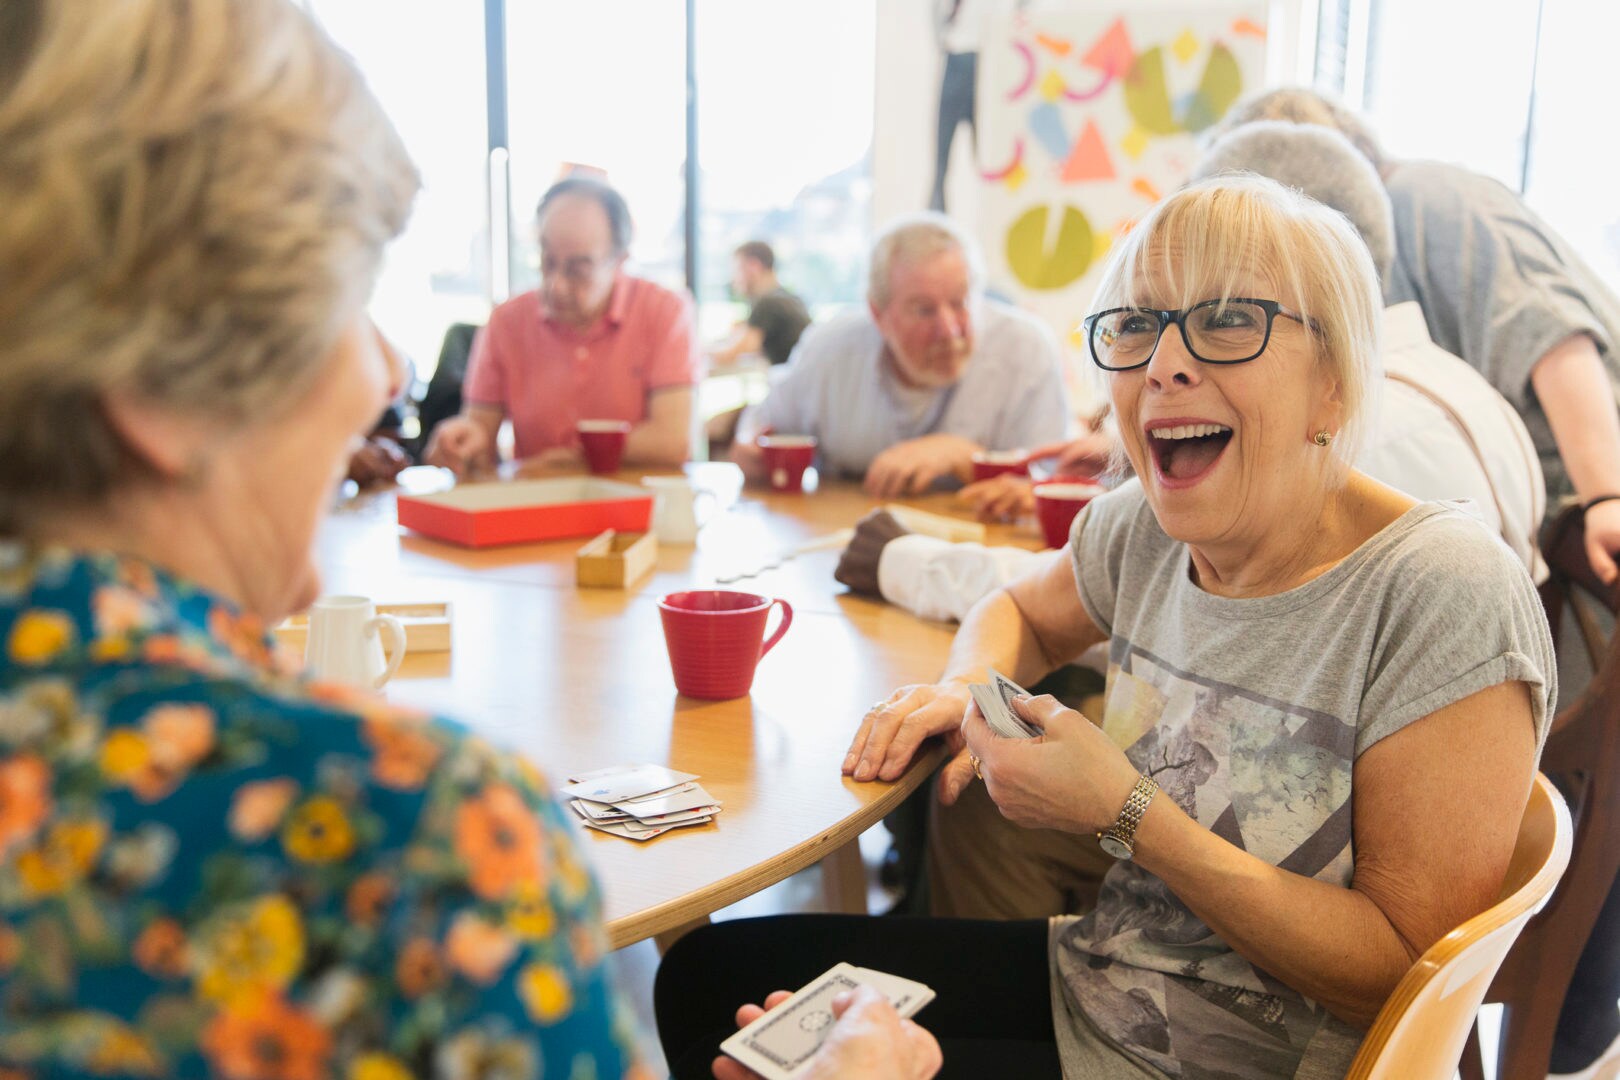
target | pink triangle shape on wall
[
  {"x": 1089, "y": 159},
  {"x": 1112, "y": 52}
]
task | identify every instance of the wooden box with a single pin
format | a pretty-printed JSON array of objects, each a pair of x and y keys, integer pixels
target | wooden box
[
  {"x": 616, "y": 560},
  {"x": 427, "y": 627}
]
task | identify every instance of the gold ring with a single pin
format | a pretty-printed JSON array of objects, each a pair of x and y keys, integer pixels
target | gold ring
[{"x": 976, "y": 771}]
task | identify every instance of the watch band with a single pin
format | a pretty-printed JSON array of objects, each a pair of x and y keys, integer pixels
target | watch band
[{"x": 1123, "y": 831}]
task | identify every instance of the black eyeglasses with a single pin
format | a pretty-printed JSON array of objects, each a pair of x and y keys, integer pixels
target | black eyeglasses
[{"x": 1230, "y": 331}]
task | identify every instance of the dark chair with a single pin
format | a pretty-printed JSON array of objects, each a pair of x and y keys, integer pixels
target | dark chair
[
  {"x": 1583, "y": 755},
  {"x": 442, "y": 398}
]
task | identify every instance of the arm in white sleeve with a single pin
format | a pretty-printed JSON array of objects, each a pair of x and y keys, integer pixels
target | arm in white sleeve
[{"x": 935, "y": 579}]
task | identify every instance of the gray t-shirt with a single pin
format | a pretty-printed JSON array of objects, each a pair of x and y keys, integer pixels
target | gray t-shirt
[
  {"x": 1250, "y": 714},
  {"x": 1498, "y": 287},
  {"x": 1010, "y": 394}
]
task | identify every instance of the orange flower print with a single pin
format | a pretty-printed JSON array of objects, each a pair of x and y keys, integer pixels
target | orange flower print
[
  {"x": 258, "y": 808},
  {"x": 38, "y": 636},
  {"x": 405, "y": 754},
  {"x": 180, "y": 735},
  {"x": 418, "y": 969},
  {"x": 161, "y": 949},
  {"x": 478, "y": 949},
  {"x": 25, "y": 799},
  {"x": 374, "y": 1066},
  {"x": 119, "y": 1051},
  {"x": 153, "y": 761},
  {"x": 368, "y": 899},
  {"x": 118, "y": 611},
  {"x": 264, "y": 1038},
  {"x": 587, "y": 945},
  {"x": 242, "y": 634},
  {"x": 498, "y": 839},
  {"x": 10, "y": 948}
]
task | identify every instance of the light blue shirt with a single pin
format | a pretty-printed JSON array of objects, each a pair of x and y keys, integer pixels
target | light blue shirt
[{"x": 1010, "y": 394}]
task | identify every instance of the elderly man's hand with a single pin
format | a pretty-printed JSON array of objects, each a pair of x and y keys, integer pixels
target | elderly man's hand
[
  {"x": 858, "y": 565},
  {"x": 1603, "y": 539},
  {"x": 868, "y": 1041},
  {"x": 1000, "y": 498},
  {"x": 461, "y": 445},
  {"x": 377, "y": 461},
  {"x": 892, "y": 730},
  {"x": 911, "y": 467}
]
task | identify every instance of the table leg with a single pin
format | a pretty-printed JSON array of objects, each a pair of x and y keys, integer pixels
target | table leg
[
  {"x": 843, "y": 880},
  {"x": 670, "y": 937}
]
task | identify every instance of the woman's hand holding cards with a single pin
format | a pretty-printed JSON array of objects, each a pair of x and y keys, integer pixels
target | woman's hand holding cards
[{"x": 868, "y": 1041}]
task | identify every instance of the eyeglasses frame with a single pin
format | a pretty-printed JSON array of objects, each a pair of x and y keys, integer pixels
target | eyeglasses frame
[{"x": 1167, "y": 316}]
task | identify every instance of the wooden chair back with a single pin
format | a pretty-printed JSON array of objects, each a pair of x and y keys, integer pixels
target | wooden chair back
[
  {"x": 1420, "y": 1032},
  {"x": 1583, "y": 752}
]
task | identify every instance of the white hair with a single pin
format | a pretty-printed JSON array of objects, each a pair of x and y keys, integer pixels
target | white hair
[
  {"x": 910, "y": 240},
  {"x": 196, "y": 196}
]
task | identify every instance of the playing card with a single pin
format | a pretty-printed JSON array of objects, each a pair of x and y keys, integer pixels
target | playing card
[
  {"x": 778, "y": 1043},
  {"x": 998, "y": 714},
  {"x": 595, "y": 811},
  {"x": 679, "y": 815},
  {"x": 686, "y": 797},
  {"x": 622, "y": 828},
  {"x": 624, "y": 782},
  {"x": 1006, "y": 690},
  {"x": 906, "y": 995},
  {"x": 639, "y": 827}
]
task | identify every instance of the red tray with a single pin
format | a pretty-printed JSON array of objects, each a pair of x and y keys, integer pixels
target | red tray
[{"x": 523, "y": 511}]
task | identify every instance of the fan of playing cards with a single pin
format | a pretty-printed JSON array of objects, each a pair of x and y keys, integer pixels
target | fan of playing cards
[
  {"x": 640, "y": 801},
  {"x": 994, "y": 699}
]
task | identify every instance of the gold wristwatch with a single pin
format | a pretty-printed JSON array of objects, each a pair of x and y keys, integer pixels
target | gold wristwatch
[{"x": 1119, "y": 839}]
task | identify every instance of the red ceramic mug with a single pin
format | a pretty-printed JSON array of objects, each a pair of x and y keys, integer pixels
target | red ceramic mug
[
  {"x": 603, "y": 443},
  {"x": 1057, "y": 504},
  {"x": 715, "y": 638},
  {"x": 989, "y": 463},
  {"x": 786, "y": 458}
]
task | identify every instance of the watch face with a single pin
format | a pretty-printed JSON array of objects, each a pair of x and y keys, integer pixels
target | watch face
[{"x": 1114, "y": 846}]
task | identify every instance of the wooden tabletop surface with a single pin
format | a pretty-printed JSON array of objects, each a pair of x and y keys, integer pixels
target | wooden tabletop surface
[{"x": 578, "y": 679}]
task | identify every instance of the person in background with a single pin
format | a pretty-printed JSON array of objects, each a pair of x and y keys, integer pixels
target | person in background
[
  {"x": 381, "y": 455},
  {"x": 209, "y": 866},
  {"x": 1502, "y": 290},
  {"x": 904, "y": 392},
  {"x": 593, "y": 342},
  {"x": 776, "y": 317}
]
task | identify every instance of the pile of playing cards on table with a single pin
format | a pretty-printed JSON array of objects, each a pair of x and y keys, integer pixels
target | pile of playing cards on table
[
  {"x": 778, "y": 1043},
  {"x": 640, "y": 801},
  {"x": 994, "y": 699}
]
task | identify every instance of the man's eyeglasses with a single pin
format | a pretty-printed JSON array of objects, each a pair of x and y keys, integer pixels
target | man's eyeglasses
[
  {"x": 1228, "y": 331},
  {"x": 578, "y": 270}
]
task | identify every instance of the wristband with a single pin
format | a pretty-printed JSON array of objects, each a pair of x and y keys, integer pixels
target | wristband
[{"x": 1589, "y": 503}]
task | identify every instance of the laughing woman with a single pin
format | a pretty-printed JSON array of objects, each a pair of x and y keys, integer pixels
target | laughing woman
[{"x": 1324, "y": 708}]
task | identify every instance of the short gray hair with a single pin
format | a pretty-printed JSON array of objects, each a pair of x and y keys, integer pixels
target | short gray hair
[
  {"x": 1214, "y": 235},
  {"x": 1302, "y": 105},
  {"x": 911, "y": 239},
  {"x": 196, "y": 196},
  {"x": 1318, "y": 162}
]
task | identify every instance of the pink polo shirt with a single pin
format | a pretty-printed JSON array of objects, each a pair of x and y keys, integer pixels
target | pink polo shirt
[{"x": 548, "y": 376}]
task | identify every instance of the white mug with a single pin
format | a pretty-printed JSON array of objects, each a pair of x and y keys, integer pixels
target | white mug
[
  {"x": 345, "y": 642},
  {"x": 675, "y": 519}
]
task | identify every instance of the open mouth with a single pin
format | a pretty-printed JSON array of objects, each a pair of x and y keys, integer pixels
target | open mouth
[{"x": 1183, "y": 453}]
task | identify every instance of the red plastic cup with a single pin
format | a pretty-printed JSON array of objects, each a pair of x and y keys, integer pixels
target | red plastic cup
[
  {"x": 603, "y": 443},
  {"x": 786, "y": 458},
  {"x": 989, "y": 463},
  {"x": 716, "y": 637},
  {"x": 1057, "y": 504}
]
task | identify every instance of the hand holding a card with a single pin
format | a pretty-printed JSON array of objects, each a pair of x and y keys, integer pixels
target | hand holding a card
[
  {"x": 867, "y": 1041},
  {"x": 1072, "y": 778}
]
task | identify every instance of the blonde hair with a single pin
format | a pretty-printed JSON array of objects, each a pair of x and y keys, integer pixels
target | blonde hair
[
  {"x": 196, "y": 196},
  {"x": 911, "y": 239},
  {"x": 1214, "y": 238}
]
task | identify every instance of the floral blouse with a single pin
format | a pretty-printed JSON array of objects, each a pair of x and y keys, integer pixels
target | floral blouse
[{"x": 210, "y": 868}]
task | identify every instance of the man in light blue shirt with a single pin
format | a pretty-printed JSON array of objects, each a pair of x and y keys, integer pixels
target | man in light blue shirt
[{"x": 907, "y": 391}]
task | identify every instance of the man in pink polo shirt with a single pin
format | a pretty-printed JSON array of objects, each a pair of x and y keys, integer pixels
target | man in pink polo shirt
[{"x": 592, "y": 343}]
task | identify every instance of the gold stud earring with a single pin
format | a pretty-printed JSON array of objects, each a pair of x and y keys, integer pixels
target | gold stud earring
[{"x": 1323, "y": 438}]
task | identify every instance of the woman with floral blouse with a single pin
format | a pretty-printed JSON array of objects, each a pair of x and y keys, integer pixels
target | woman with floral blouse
[{"x": 209, "y": 867}]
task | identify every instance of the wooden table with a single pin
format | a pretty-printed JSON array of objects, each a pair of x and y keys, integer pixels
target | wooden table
[{"x": 578, "y": 679}]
